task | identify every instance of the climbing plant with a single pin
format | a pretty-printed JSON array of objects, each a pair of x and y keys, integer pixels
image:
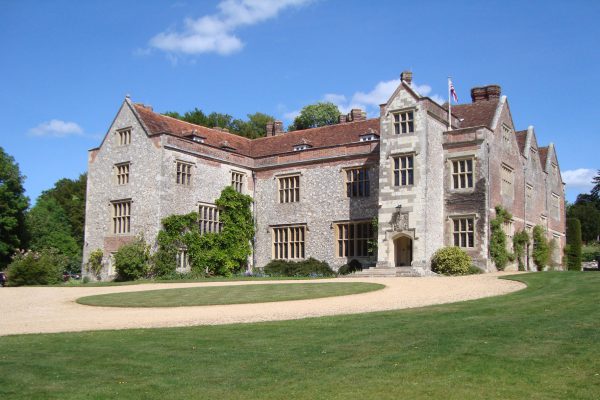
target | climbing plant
[
  {"x": 520, "y": 241},
  {"x": 498, "y": 251},
  {"x": 372, "y": 241},
  {"x": 541, "y": 248},
  {"x": 221, "y": 253}
]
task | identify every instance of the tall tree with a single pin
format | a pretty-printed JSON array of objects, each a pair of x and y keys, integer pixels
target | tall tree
[
  {"x": 70, "y": 195},
  {"x": 49, "y": 228},
  {"x": 253, "y": 128},
  {"x": 316, "y": 115},
  {"x": 573, "y": 249},
  {"x": 596, "y": 189},
  {"x": 13, "y": 204},
  {"x": 589, "y": 216}
]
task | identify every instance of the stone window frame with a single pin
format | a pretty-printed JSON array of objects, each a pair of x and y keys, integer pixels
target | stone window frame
[
  {"x": 507, "y": 131},
  {"x": 533, "y": 150},
  {"x": 237, "y": 180},
  {"x": 352, "y": 183},
  {"x": 453, "y": 233},
  {"x": 290, "y": 193},
  {"x": 209, "y": 220},
  {"x": 124, "y": 136},
  {"x": 397, "y": 157},
  {"x": 360, "y": 245},
  {"x": 121, "y": 216},
  {"x": 122, "y": 172},
  {"x": 183, "y": 173},
  {"x": 555, "y": 205},
  {"x": 403, "y": 126},
  {"x": 458, "y": 174},
  {"x": 288, "y": 242},
  {"x": 508, "y": 227},
  {"x": 544, "y": 221},
  {"x": 507, "y": 179},
  {"x": 182, "y": 260},
  {"x": 529, "y": 193}
]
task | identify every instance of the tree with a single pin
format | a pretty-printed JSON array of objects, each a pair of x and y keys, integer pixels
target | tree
[
  {"x": 498, "y": 250},
  {"x": 573, "y": 248},
  {"x": 70, "y": 195},
  {"x": 589, "y": 216},
  {"x": 596, "y": 189},
  {"x": 49, "y": 228},
  {"x": 13, "y": 204},
  {"x": 316, "y": 115},
  {"x": 253, "y": 128}
]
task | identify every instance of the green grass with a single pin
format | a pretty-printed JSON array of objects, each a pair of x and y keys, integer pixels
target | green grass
[
  {"x": 206, "y": 296},
  {"x": 539, "y": 343},
  {"x": 235, "y": 278}
]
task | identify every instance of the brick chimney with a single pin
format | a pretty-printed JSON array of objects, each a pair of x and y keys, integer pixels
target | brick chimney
[
  {"x": 274, "y": 128},
  {"x": 490, "y": 92},
  {"x": 356, "y": 114},
  {"x": 342, "y": 118},
  {"x": 406, "y": 77}
]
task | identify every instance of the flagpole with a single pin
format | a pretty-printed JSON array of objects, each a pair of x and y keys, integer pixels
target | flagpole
[{"x": 449, "y": 107}]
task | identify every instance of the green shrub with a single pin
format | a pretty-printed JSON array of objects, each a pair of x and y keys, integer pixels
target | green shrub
[
  {"x": 573, "y": 247},
  {"x": 37, "y": 268},
  {"x": 351, "y": 267},
  {"x": 131, "y": 261},
  {"x": 474, "y": 270},
  {"x": 541, "y": 248},
  {"x": 590, "y": 252},
  {"x": 309, "y": 267},
  {"x": 94, "y": 264},
  {"x": 520, "y": 241},
  {"x": 500, "y": 255},
  {"x": 451, "y": 261}
]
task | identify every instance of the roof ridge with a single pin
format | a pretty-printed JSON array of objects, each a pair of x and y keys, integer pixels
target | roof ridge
[{"x": 317, "y": 128}]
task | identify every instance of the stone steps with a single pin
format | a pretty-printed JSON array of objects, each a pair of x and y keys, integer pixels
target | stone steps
[{"x": 379, "y": 272}]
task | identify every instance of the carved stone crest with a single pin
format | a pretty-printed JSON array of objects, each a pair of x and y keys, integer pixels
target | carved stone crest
[{"x": 400, "y": 221}]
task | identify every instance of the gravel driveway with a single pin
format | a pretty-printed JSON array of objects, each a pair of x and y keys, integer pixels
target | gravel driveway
[{"x": 53, "y": 309}]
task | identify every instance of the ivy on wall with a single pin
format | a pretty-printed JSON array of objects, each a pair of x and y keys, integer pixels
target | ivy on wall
[
  {"x": 541, "y": 248},
  {"x": 500, "y": 255},
  {"x": 520, "y": 242},
  {"x": 221, "y": 253}
]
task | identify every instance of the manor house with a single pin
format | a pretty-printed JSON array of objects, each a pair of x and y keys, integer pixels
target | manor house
[{"x": 428, "y": 180}]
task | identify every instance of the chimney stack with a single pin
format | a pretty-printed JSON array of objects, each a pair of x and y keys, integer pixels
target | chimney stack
[
  {"x": 274, "y": 128},
  {"x": 356, "y": 114},
  {"x": 489, "y": 92},
  {"x": 342, "y": 118},
  {"x": 406, "y": 77}
]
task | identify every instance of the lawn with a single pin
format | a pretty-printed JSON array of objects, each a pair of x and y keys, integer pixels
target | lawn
[
  {"x": 206, "y": 296},
  {"x": 539, "y": 343}
]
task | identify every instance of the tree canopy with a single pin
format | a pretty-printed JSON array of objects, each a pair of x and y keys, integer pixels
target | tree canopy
[
  {"x": 49, "y": 228},
  {"x": 253, "y": 128},
  {"x": 596, "y": 189},
  {"x": 316, "y": 115},
  {"x": 13, "y": 204}
]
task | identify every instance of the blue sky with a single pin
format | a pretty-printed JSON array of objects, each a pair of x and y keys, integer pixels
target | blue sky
[{"x": 67, "y": 65}]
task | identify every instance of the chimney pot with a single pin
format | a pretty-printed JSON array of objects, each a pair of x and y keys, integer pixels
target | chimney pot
[{"x": 406, "y": 77}]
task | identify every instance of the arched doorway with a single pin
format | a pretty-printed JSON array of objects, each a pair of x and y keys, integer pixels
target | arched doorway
[{"x": 402, "y": 251}]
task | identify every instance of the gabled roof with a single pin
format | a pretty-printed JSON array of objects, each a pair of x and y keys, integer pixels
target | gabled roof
[
  {"x": 325, "y": 136},
  {"x": 521, "y": 140},
  {"x": 158, "y": 123},
  {"x": 480, "y": 113}
]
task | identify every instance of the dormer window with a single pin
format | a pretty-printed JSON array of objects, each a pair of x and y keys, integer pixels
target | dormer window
[
  {"x": 198, "y": 139},
  {"x": 368, "y": 138},
  {"x": 300, "y": 147}
]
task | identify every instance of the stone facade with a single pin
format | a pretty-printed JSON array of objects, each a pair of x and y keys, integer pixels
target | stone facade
[{"x": 407, "y": 161}]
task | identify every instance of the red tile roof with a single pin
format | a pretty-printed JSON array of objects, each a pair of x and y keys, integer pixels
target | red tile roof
[
  {"x": 325, "y": 136},
  {"x": 158, "y": 123},
  {"x": 480, "y": 113},
  {"x": 521, "y": 140}
]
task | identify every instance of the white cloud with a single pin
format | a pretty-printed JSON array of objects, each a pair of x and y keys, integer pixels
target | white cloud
[
  {"x": 216, "y": 33},
  {"x": 291, "y": 115},
  {"x": 56, "y": 128},
  {"x": 580, "y": 178},
  {"x": 370, "y": 100}
]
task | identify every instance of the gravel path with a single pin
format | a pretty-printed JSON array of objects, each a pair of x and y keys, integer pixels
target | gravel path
[{"x": 53, "y": 309}]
